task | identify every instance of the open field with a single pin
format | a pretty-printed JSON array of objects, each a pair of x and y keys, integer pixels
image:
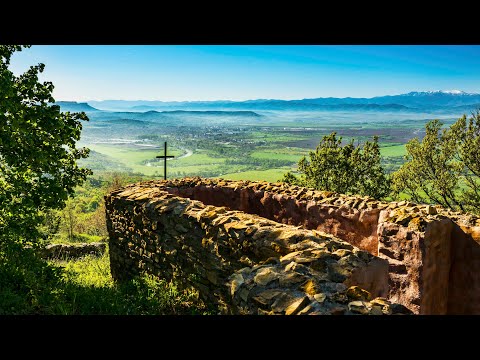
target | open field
[
  {"x": 271, "y": 175},
  {"x": 287, "y": 153},
  {"x": 393, "y": 150}
]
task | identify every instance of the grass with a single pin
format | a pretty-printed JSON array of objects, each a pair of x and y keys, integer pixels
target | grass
[
  {"x": 274, "y": 137},
  {"x": 193, "y": 170},
  {"x": 393, "y": 151},
  {"x": 62, "y": 238},
  {"x": 133, "y": 158},
  {"x": 271, "y": 175},
  {"x": 130, "y": 153},
  {"x": 286, "y": 153},
  {"x": 147, "y": 295},
  {"x": 85, "y": 287},
  {"x": 199, "y": 157}
]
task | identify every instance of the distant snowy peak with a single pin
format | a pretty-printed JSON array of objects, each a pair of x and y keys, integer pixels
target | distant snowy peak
[
  {"x": 454, "y": 92},
  {"x": 439, "y": 92}
]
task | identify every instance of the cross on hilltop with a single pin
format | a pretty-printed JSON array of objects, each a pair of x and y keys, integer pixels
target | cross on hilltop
[{"x": 164, "y": 157}]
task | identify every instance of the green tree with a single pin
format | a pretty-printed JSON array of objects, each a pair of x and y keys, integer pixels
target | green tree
[
  {"x": 38, "y": 153},
  {"x": 70, "y": 219},
  {"x": 347, "y": 169},
  {"x": 444, "y": 167},
  {"x": 466, "y": 134}
]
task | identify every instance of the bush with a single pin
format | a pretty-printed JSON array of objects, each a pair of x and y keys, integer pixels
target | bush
[
  {"x": 443, "y": 168},
  {"x": 347, "y": 169}
]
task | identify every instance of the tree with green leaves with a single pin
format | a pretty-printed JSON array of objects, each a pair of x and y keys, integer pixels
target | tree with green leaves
[
  {"x": 38, "y": 153},
  {"x": 444, "y": 167},
  {"x": 347, "y": 169},
  {"x": 467, "y": 136}
]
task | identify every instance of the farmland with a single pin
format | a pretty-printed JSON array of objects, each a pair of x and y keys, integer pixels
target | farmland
[{"x": 240, "y": 145}]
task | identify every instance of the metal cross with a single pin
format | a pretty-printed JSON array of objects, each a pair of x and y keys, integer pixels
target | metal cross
[{"x": 164, "y": 157}]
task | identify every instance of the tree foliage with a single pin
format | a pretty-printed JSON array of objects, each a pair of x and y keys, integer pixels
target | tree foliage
[
  {"x": 38, "y": 153},
  {"x": 467, "y": 134},
  {"x": 347, "y": 169},
  {"x": 444, "y": 167}
]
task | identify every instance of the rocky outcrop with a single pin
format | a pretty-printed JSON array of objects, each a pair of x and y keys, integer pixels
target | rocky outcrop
[
  {"x": 432, "y": 253},
  {"x": 418, "y": 253},
  {"x": 464, "y": 283}
]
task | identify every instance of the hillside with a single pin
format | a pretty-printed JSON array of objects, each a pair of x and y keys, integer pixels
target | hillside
[{"x": 74, "y": 106}]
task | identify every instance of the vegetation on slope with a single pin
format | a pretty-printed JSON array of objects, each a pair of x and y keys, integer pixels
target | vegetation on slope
[{"x": 30, "y": 285}]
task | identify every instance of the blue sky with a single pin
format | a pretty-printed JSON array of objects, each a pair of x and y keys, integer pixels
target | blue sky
[{"x": 234, "y": 72}]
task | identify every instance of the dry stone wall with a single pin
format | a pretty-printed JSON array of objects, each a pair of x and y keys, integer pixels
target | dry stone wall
[
  {"x": 205, "y": 231},
  {"x": 72, "y": 251},
  {"x": 243, "y": 263}
]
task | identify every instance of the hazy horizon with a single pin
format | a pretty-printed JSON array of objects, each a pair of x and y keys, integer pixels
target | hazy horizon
[
  {"x": 249, "y": 72},
  {"x": 266, "y": 99}
]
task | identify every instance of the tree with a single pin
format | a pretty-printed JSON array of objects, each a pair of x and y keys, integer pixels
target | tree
[
  {"x": 70, "y": 219},
  {"x": 466, "y": 134},
  {"x": 444, "y": 167},
  {"x": 38, "y": 153},
  {"x": 345, "y": 169}
]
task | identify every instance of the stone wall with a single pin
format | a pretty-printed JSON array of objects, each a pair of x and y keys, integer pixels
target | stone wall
[
  {"x": 350, "y": 218},
  {"x": 243, "y": 263},
  {"x": 464, "y": 285},
  {"x": 72, "y": 251},
  {"x": 429, "y": 250}
]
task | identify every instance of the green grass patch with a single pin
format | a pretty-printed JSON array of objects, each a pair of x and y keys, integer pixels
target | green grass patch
[
  {"x": 274, "y": 136},
  {"x": 133, "y": 156},
  {"x": 193, "y": 169},
  {"x": 271, "y": 175},
  {"x": 30, "y": 285},
  {"x": 288, "y": 154},
  {"x": 136, "y": 159},
  {"x": 199, "y": 157},
  {"x": 63, "y": 238},
  {"x": 393, "y": 151},
  {"x": 130, "y": 153}
]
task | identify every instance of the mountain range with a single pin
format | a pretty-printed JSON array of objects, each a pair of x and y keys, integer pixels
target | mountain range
[{"x": 414, "y": 101}]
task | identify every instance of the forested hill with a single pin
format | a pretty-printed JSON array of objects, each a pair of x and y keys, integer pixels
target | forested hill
[{"x": 74, "y": 106}]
